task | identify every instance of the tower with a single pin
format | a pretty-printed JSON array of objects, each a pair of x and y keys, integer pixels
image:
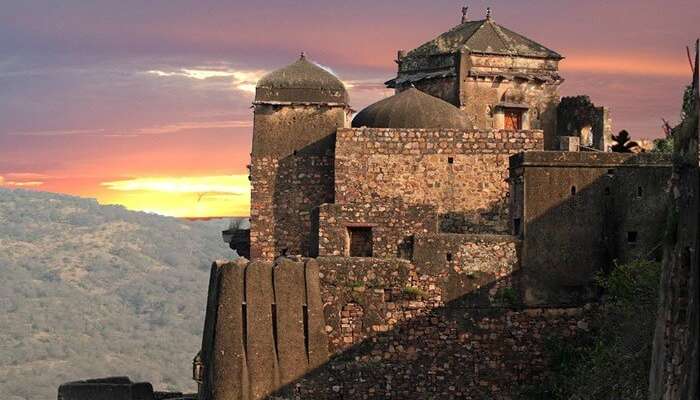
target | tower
[
  {"x": 297, "y": 111},
  {"x": 499, "y": 78}
]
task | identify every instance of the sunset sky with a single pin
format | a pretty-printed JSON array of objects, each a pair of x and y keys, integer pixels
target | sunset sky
[{"x": 147, "y": 103}]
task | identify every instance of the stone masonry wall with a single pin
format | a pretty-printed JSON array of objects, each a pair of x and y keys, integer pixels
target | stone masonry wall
[
  {"x": 393, "y": 226},
  {"x": 394, "y": 328},
  {"x": 394, "y": 335},
  {"x": 466, "y": 264},
  {"x": 291, "y": 174},
  {"x": 284, "y": 193},
  {"x": 462, "y": 173}
]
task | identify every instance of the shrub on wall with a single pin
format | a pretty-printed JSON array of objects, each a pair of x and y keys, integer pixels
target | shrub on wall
[{"x": 613, "y": 362}]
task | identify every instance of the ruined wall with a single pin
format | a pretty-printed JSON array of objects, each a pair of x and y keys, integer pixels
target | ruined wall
[
  {"x": 461, "y": 173},
  {"x": 675, "y": 366},
  {"x": 291, "y": 173},
  {"x": 393, "y": 225},
  {"x": 581, "y": 211},
  {"x": 602, "y": 129}
]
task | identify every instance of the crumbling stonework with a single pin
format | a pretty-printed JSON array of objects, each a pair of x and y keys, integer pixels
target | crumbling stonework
[{"x": 675, "y": 369}]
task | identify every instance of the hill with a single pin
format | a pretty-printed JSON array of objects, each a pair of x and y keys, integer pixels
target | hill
[{"x": 88, "y": 290}]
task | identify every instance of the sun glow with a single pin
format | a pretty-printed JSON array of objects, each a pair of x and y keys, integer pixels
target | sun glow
[{"x": 201, "y": 196}]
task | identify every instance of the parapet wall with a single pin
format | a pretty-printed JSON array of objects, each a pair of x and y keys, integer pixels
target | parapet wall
[{"x": 462, "y": 173}]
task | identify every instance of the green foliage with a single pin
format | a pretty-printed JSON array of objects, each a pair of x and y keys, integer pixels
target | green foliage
[
  {"x": 357, "y": 284},
  {"x": 414, "y": 293},
  {"x": 612, "y": 362},
  {"x": 91, "y": 291},
  {"x": 574, "y": 113},
  {"x": 664, "y": 146},
  {"x": 507, "y": 296},
  {"x": 688, "y": 103},
  {"x": 623, "y": 142}
]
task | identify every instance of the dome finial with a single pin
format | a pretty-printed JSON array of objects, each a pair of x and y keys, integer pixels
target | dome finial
[
  {"x": 488, "y": 13},
  {"x": 302, "y": 56},
  {"x": 465, "y": 9}
]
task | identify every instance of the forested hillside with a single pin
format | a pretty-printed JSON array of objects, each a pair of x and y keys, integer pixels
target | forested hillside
[{"x": 88, "y": 291}]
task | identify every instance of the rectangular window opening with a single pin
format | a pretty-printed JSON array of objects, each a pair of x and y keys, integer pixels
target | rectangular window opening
[
  {"x": 632, "y": 237},
  {"x": 448, "y": 256},
  {"x": 450, "y": 160},
  {"x": 360, "y": 241},
  {"x": 516, "y": 226}
]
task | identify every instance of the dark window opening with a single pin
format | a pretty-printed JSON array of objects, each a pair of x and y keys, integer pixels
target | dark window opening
[
  {"x": 360, "y": 241},
  {"x": 639, "y": 191},
  {"x": 305, "y": 314},
  {"x": 516, "y": 226},
  {"x": 607, "y": 191},
  {"x": 573, "y": 190},
  {"x": 611, "y": 172},
  {"x": 450, "y": 160},
  {"x": 632, "y": 237},
  {"x": 295, "y": 152},
  {"x": 448, "y": 256}
]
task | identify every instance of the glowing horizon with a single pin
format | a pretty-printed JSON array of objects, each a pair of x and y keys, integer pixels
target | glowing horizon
[{"x": 148, "y": 106}]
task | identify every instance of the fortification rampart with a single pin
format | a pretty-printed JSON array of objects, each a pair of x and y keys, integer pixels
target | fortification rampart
[
  {"x": 462, "y": 173},
  {"x": 393, "y": 327}
]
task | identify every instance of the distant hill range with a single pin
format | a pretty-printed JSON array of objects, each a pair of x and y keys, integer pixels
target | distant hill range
[{"x": 88, "y": 290}]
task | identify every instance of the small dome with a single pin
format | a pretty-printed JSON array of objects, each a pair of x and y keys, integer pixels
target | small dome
[
  {"x": 412, "y": 109},
  {"x": 301, "y": 82}
]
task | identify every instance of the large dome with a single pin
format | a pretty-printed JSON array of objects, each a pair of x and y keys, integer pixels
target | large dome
[
  {"x": 301, "y": 82},
  {"x": 412, "y": 109}
]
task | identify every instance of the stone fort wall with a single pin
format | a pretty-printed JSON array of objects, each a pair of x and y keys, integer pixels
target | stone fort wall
[
  {"x": 462, "y": 173},
  {"x": 377, "y": 328}
]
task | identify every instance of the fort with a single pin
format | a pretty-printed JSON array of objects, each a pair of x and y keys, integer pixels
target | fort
[{"x": 430, "y": 246}]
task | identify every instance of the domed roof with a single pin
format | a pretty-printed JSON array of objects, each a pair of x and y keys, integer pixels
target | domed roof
[
  {"x": 301, "y": 82},
  {"x": 412, "y": 109}
]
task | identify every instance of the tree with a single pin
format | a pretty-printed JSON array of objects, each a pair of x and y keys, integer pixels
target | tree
[
  {"x": 623, "y": 143},
  {"x": 575, "y": 113}
]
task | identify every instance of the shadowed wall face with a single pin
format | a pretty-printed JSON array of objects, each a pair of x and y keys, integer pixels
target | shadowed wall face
[
  {"x": 675, "y": 366},
  {"x": 291, "y": 173},
  {"x": 582, "y": 211}
]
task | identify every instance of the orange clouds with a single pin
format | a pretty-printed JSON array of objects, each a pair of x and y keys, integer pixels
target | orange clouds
[
  {"x": 624, "y": 64},
  {"x": 21, "y": 180}
]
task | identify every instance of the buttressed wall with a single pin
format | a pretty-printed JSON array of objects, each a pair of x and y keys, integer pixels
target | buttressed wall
[{"x": 462, "y": 173}]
